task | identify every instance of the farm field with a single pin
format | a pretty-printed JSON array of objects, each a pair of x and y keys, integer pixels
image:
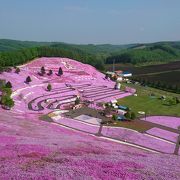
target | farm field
[
  {"x": 171, "y": 78},
  {"x": 63, "y": 147},
  {"x": 165, "y": 73},
  {"x": 146, "y": 69}
]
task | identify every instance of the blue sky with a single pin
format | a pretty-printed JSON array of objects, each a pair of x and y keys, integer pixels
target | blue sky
[{"x": 90, "y": 21}]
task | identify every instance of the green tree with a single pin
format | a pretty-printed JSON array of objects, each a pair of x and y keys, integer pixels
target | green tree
[
  {"x": 60, "y": 72},
  {"x": 133, "y": 115},
  {"x": 28, "y": 79},
  {"x": 6, "y": 91},
  {"x": 17, "y": 70},
  {"x": 77, "y": 101},
  {"x": 114, "y": 117},
  {"x": 7, "y": 101},
  {"x": 50, "y": 72},
  {"x": 1, "y": 69},
  {"x": 8, "y": 85},
  {"x": 43, "y": 71},
  {"x": 128, "y": 115},
  {"x": 49, "y": 87}
]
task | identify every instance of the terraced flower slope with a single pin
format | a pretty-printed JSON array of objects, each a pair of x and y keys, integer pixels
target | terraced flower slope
[{"x": 35, "y": 149}]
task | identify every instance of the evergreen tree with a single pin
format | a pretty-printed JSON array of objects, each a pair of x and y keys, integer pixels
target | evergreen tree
[
  {"x": 17, "y": 70},
  {"x": 28, "y": 79},
  {"x": 50, "y": 72},
  {"x": 43, "y": 71},
  {"x": 60, "y": 72},
  {"x": 49, "y": 87},
  {"x": 7, "y": 101},
  {"x": 6, "y": 91},
  {"x": 8, "y": 85},
  {"x": 77, "y": 101}
]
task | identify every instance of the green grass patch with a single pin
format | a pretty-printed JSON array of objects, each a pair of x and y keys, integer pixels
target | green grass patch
[
  {"x": 45, "y": 118},
  {"x": 152, "y": 106}
]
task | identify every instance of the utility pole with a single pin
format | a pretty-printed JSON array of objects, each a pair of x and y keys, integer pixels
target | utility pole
[
  {"x": 113, "y": 65},
  {"x": 100, "y": 130}
]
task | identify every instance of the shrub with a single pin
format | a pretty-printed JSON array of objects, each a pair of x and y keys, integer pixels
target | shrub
[
  {"x": 114, "y": 117},
  {"x": 128, "y": 115},
  {"x": 176, "y": 99},
  {"x": 133, "y": 115}
]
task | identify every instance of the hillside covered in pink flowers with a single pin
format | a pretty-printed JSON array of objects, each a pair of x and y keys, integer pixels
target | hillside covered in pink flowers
[{"x": 31, "y": 148}]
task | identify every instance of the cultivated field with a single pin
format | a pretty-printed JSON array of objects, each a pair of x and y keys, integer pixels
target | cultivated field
[{"x": 168, "y": 74}]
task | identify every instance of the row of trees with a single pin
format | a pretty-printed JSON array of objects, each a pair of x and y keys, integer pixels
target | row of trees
[
  {"x": 159, "y": 85},
  {"x": 50, "y": 72},
  {"x": 15, "y": 58}
]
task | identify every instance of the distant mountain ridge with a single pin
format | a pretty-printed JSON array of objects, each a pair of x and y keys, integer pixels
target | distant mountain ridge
[
  {"x": 9, "y": 45},
  {"x": 138, "y": 54}
]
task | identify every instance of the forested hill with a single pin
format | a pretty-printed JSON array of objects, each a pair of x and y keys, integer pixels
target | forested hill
[
  {"x": 12, "y": 45},
  {"x": 9, "y": 45},
  {"x": 154, "y": 53},
  {"x": 13, "y": 52}
]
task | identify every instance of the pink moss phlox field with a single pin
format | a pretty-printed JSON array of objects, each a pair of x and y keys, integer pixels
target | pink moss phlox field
[
  {"x": 171, "y": 136},
  {"x": 79, "y": 125},
  {"x": 47, "y": 151},
  {"x": 35, "y": 149},
  {"x": 139, "y": 139},
  {"x": 172, "y": 122}
]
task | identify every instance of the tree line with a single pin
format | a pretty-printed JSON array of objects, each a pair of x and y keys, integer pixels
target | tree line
[
  {"x": 153, "y": 54},
  {"x": 158, "y": 84},
  {"x": 14, "y": 58}
]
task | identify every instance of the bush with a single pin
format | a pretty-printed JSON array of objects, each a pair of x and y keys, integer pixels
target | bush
[
  {"x": 133, "y": 115},
  {"x": 114, "y": 117},
  {"x": 170, "y": 102},
  {"x": 128, "y": 115}
]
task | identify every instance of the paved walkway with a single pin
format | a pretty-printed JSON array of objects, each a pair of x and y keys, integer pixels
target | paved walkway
[{"x": 176, "y": 151}]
